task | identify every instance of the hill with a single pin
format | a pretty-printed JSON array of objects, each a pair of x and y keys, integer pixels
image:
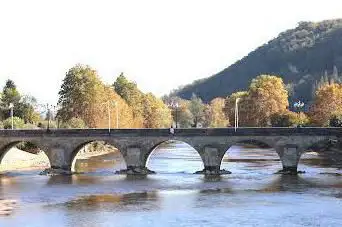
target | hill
[{"x": 304, "y": 57}]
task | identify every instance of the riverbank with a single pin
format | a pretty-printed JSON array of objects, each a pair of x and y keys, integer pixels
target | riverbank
[{"x": 16, "y": 159}]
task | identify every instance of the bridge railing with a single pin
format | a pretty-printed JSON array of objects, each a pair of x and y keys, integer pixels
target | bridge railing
[{"x": 243, "y": 131}]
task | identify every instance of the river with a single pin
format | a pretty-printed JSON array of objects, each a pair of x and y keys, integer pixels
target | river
[{"x": 251, "y": 196}]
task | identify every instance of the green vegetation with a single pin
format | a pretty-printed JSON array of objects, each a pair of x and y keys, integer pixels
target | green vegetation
[
  {"x": 306, "y": 58},
  {"x": 17, "y": 123}
]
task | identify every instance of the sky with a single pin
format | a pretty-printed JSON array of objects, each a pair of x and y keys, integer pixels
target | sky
[{"x": 159, "y": 44}]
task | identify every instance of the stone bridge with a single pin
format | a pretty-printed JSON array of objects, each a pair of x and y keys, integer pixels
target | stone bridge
[{"x": 135, "y": 145}]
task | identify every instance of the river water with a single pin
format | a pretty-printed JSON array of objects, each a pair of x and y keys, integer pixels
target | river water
[{"x": 251, "y": 196}]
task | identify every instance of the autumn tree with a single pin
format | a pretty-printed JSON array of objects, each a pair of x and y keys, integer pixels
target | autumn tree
[
  {"x": 130, "y": 92},
  {"x": 179, "y": 110},
  {"x": 196, "y": 108},
  {"x": 83, "y": 95},
  {"x": 244, "y": 103},
  {"x": 156, "y": 114},
  {"x": 215, "y": 117},
  {"x": 267, "y": 95},
  {"x": 327, "y": 102}
]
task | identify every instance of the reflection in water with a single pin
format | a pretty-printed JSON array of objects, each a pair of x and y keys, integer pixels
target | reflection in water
[
  {"x": 115, "y": 203},
  {"x": 294, "y": 183}
]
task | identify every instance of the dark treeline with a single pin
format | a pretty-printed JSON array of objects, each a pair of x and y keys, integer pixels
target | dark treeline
[{"x": 305, "y": 57}]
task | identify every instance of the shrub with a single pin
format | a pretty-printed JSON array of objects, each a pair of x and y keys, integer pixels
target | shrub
[
  {"x": 74, "y": 123},
  {"x": 336, "y": 120},
  {"x": 289, "y": 119},
  {"x": 29, "y": 147},
  {"x": 17, "y": 123}
]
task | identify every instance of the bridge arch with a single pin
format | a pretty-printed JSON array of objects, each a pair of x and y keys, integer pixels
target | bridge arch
[
  {"x": 162, "y": 156},
  {"x": 29, "y": 147},
  {"x": 98, "y": 147},
  {"x": 242, "y": 146}
]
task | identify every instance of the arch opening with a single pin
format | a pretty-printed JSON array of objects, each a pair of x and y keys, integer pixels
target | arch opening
[
  {"x": 97, "y": 156},
  {"x": 23, "y": 156},
  {"x": 174, "y": 156},
  {"x": 324, "y": 156},
  {"x": 251, "y": 156}
]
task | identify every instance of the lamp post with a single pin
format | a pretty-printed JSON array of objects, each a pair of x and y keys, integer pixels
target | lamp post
[
  {"x": 11, "y": 107},
  {"x": 174, "y": 106},
  {"x": 236, "y": 121},
  {"x": 115, "y": 103},
  {"x": 299, "y": 105},
  {"x": 48, "y": 113}
]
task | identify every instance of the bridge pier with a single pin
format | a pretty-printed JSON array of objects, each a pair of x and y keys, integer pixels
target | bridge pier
[
  {"x": 60, "y": 161},
  {"x": 289, "y": 156},
  {"x": 212, "y": 157},
  {"x": 135, "y": 158}
]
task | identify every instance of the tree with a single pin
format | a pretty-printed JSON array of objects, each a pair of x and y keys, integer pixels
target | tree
[
  {"x": 197, "y": 108},
  {"x": 289, "y": 119},
  {"x": 74, "y": 123},
  {"x": 328, "y": 100},
  {"x": 84, "y": 96},
  {"x": 23, "y": 105},
  {"x": 130, "y": 92},
  {"x": 80, "y": 95},
  {"x": 244, "y": 108},
  {"x": 267, "y": 95},
  {"x": 215, "y": 116},
  {"x": 156, "y": 114}
]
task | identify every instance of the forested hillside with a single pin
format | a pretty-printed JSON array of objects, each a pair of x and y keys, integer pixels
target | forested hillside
[{"x": 305, "y": 57}]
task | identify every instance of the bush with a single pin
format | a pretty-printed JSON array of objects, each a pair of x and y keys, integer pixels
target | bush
[
  {"x": 29, "y": 147},
  {"x": 336, "y": 120},
  {"x": 1, "y": 125},
  {"x": 44, "y": 124},
  {"x": 18, "y": 123},
  {"x": 74, "y": 123},
  {"x": 289, "y": 119}
]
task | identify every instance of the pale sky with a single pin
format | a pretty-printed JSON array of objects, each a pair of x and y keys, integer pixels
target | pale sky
[{"x": 158, "y": 44}]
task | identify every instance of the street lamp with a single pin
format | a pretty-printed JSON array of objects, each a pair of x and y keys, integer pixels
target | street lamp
[
  {"x": 11, "y": 107},
  {"x": 299, "y": 105},
  {"x": 48, "y": 113},
  {"x": 174, "y": 106},
  {"x": 236, "y": 121},
  {"x": 116, "y": 104}
]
